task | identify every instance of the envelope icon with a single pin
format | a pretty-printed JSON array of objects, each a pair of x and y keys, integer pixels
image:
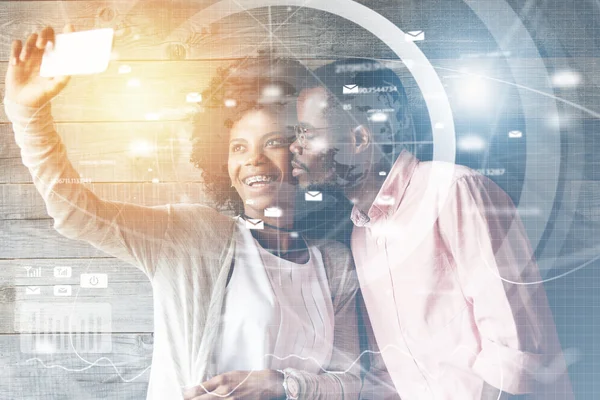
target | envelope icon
[
  {"x": 385, "y": 200},
  {"x": 414, "y": 36},
  {"x": 193, "y": 97},
  {"x": 350, "y": 89},
  {"x": 313, "y": 196},
  {"x": 33, "y": 290},
  {"x": 62, "y": 290},
  {"x": 273, "y": 212},
  {"x": 515, "y": 134},
  {"x": 252, "y": 223}
]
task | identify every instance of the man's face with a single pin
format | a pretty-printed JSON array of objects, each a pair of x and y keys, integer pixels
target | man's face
[{"x": 324, "y": 154}]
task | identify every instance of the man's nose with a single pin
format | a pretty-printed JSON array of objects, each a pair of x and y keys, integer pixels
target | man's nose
[{"x": 295, "y": 147}]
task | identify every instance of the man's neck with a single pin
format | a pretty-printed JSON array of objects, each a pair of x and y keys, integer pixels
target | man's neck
[{"x": 363, "y": 195}]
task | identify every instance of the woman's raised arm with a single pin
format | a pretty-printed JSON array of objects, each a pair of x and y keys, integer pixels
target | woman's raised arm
[{"x": 130, "y": 232}]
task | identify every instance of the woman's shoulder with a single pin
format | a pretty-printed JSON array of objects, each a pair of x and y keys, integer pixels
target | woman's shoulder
[
  {"x": 338, "y": 264},
  {"x": 331, "y": 247},
  {"x": 186, "y": 210},
  {"x": 200, "y": 218}
]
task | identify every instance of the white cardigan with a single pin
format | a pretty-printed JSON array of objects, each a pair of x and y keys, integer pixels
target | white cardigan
[{"x": 186, "y": 251}]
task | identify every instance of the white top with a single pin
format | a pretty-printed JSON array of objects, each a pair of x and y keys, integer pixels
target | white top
[{"x": 277, "y": 314}]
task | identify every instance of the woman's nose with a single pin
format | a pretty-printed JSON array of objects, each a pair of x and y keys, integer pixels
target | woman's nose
[{"x": 255, "y": 157}]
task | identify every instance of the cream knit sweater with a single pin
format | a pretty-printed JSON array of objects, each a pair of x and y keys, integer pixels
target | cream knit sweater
[{"x": 186, "y": 251}]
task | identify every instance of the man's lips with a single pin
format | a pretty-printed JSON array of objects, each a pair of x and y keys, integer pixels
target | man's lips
[{"x": 297, "y": 169}]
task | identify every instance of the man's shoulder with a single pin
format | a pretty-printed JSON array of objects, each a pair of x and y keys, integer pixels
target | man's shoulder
[
  {"x": 440, "y": 178},
  {"x": 444, "y": 170},
  {"x": 450, "y": 179}
]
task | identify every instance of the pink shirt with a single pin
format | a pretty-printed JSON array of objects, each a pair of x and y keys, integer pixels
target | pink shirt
[{"x": 442, "y": 258}]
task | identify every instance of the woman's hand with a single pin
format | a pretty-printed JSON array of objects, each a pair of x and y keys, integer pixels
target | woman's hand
[
  {"x": 24, "y": 85},
  {"x": 265, "y": 384}
]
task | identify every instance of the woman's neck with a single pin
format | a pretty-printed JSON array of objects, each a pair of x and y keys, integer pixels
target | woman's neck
[
  {"x": 278, "y": 236},
  {"x": 277, "y": 233}
]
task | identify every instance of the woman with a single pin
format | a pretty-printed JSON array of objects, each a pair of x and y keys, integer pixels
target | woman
[{"x": 239, "y": 313}]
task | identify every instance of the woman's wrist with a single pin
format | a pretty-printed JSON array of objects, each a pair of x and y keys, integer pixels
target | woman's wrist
[
  {"x": 291, "y": 385},
  {"x": 30, "y": 119},
  {"x": 276, "y": 386}
]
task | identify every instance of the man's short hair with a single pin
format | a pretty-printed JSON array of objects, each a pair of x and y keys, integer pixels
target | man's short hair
[{"x": 366, "y": 92}]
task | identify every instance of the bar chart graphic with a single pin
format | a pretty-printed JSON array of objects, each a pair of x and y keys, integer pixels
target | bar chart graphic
[{"x": 64, "y": 327}]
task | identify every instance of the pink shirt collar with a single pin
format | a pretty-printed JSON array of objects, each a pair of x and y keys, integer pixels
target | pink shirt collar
[{"x": 391, "y": 192}]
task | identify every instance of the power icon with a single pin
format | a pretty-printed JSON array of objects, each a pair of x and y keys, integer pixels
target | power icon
[{"x": 96, "y": 281}]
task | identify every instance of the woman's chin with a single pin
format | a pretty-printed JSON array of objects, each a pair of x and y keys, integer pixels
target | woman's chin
[
  {"x": 259, "y": 202},
  {"x": 269, "y": 195},
  {"x": 268, "y": 206}
]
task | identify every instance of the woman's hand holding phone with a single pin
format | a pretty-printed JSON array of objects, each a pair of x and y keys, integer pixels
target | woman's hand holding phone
[{"x": 24, "y": 85}]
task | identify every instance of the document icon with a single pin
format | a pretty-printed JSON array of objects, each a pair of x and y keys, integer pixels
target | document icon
[
  {"x": 62, "y": 290},
  {"x": 273, "y": 212},
  {"x": 252, "y": 223},
  {"x": 350, "y": 89},
  {"x": 29, "y": 290},
  {"x": 414, "y": 36},
  {"x": 313, "y": 196}
]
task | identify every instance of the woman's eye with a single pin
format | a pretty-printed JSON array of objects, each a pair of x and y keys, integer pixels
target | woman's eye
[
  {"x": 275, "y": 142},
  {"x": 236, "y": 148}
]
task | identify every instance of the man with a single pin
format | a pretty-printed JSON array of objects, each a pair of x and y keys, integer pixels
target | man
[{"x": 446, "y": 270}]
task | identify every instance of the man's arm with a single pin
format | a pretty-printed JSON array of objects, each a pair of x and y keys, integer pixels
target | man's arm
[{"x": 500, "y": 278}]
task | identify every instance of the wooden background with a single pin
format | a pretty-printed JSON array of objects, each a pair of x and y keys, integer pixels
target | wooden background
[{"x": 100, "y": 116}]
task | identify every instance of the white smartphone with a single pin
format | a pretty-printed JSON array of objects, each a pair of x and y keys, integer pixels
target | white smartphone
[{"x": 78, "y": 53}]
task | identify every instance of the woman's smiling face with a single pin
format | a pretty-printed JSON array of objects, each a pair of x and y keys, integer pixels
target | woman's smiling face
[{"x": 259, "y": 161}]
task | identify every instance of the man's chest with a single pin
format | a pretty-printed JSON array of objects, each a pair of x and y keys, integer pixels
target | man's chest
[{"x": 409, "y": 279}]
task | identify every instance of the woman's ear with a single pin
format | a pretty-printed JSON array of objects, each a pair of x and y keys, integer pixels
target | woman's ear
[{"x": 362, "y": 138}]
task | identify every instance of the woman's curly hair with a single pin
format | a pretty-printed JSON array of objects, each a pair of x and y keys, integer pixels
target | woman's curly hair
[{"x": 233, "y": 92}]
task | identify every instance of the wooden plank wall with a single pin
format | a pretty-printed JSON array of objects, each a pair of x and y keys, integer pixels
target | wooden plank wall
[{"x": 99, "y": 117}]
